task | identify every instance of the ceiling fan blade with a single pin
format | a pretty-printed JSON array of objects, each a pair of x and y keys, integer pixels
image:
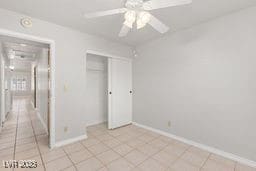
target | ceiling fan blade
[
  {"x": 157, "y": 4},
  {"x": 158, "y": 25},
  {"x": 105, "y": 13},
  {"x": 124, "y": 31}
]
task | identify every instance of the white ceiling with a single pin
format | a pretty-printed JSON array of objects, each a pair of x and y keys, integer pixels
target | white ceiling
[
  {"x": 24, "y": 55},
  {"x": 70, "y": 13}
]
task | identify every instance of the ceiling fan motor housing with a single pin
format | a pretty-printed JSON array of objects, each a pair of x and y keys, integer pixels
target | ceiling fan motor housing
[{"x": 134, "y": 4}]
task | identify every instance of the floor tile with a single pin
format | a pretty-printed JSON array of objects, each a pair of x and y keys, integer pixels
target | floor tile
[
  {"x": 73, "y": 147},
  {"x": 108, "y": 156},
  {"x": 195, "y": 159},
  {"x": 91, "y": 164},
  {"x": 79, "y": 156},
  {"x": 241, "y": 167},
  {"x": 90, "y": 142},
  {"x": 53, "y": 155},
  {"x": 135, "y": 143},
  {"x": 165, "y": 158},
  {"x": 198, "y": 151},
  {"x": 146, "y": 138},
  {"x": 222, "y": 160},
  {"x": 148, "y": 149},
  {"x": 98, "y": 148},
  {"x": 135, "y": 157},
  {"x": 27, "y": 154},
  {"x": 158, "y": 143},
  {"x": 123, "y": 149},
  {"x": 124, "y": 137},
  {"x": 71, "y": 168},
  {"x": 120, "y": 165},
  {"x": 24, "y": 147},
  {"x": 112, "y": 143},
  {"x": 151, "y": 165},
  {"x": 172, "y": 149},
  {"x": 212, "y": 165},
  {"x": 104, "y": 137},
  {"x": 58, "y": 164},
  {"x": 181, "y": 165}
]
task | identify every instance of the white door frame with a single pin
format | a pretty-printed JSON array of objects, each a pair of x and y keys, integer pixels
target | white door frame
[
  {"x": 108, "y": 56},
  {"x": 52, "y": 73},
  {"x": 2, "y": 96}
]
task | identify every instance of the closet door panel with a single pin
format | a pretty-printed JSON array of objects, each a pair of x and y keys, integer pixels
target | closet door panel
[{"x": 120, "y": 95}]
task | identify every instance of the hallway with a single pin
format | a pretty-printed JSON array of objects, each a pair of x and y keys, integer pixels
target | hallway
[{"x": 23, "y": 135}]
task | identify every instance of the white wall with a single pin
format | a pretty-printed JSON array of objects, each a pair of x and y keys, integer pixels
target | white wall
[
  {"x": 70, "y": 68},
  {"x": 8, "y": 93},
  {"x": 203, "y": 80},
  {"x": 5, "y": 94},
  {"x": 1, "y": 86},
  {"x": 96, "y": 89},
  {"x": 42, "y": 86}
]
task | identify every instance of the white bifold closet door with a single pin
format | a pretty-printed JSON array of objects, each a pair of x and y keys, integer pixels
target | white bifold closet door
[{"x": 120, "y": 92}]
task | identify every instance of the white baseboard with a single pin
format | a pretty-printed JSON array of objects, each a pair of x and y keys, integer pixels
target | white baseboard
[
  {"x": 69, "y": 141},
  {"x": 95, "y": 123},
  {"x": 202, "y": 146}
]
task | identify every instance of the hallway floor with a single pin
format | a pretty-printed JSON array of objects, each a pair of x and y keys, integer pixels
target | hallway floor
[{"x": 126, "y": 148}]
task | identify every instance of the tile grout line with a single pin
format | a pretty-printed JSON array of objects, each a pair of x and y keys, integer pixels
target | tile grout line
[
  {"x": 135, "y": 148},
  {"x": 70, "y": 160},
  {"x": 17, "y": 124},
  {"x": 36, "y": 141},
  {"x": 208, "y": 157},
  {"x": 123, "y": 143}
]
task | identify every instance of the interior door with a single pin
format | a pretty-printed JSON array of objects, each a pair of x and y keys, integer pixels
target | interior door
[{"x": 120, "y": 92}]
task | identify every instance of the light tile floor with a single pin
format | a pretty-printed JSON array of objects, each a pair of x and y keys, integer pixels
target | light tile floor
[{"x": 126, "y": 148}]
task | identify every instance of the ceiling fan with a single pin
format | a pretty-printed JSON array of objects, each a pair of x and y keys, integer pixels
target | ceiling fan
[{"x": 137, "y": 11}]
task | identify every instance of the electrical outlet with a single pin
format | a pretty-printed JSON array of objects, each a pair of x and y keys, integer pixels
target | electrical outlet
[
  {"x": 169, "y": 124},
  {"x": 65, "y": 129}
]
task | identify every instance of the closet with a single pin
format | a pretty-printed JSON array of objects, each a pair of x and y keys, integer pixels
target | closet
[{"x": 108, "y": 90}]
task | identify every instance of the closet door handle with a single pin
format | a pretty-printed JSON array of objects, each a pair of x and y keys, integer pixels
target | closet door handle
[
  {"x": 131, "y": 92},
  {"x": 110, "y": 92}
]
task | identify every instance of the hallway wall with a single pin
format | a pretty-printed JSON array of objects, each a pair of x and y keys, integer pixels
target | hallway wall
[
  {"x": 42, "y": 87},
  {"x": 1, "y": 88}
]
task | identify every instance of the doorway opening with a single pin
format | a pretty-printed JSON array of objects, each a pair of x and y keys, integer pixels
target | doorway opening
[
  {"x": 109, "y": 90},
  {"x": 27, "y": 83},
  {"x": 96, "y": 89}
]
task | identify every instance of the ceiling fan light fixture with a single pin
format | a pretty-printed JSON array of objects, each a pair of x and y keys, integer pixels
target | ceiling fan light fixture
[
  {"x": 144, "y": 17},
  {"x": 130, "y": 16},
  {"x": 128, "y": 23},
  {"x": 140, "y": 24}
]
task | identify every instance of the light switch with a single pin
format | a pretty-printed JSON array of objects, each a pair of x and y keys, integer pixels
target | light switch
[{"x": 65, "y": 88}]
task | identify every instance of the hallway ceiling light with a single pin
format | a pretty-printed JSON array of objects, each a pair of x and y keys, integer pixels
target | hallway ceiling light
[
  {"x": 11, "y": 54},
  {"x": 11, "y": 67}
]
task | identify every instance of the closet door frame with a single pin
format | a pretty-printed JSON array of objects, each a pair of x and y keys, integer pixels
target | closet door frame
[{"x": 108, "y": 56}]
